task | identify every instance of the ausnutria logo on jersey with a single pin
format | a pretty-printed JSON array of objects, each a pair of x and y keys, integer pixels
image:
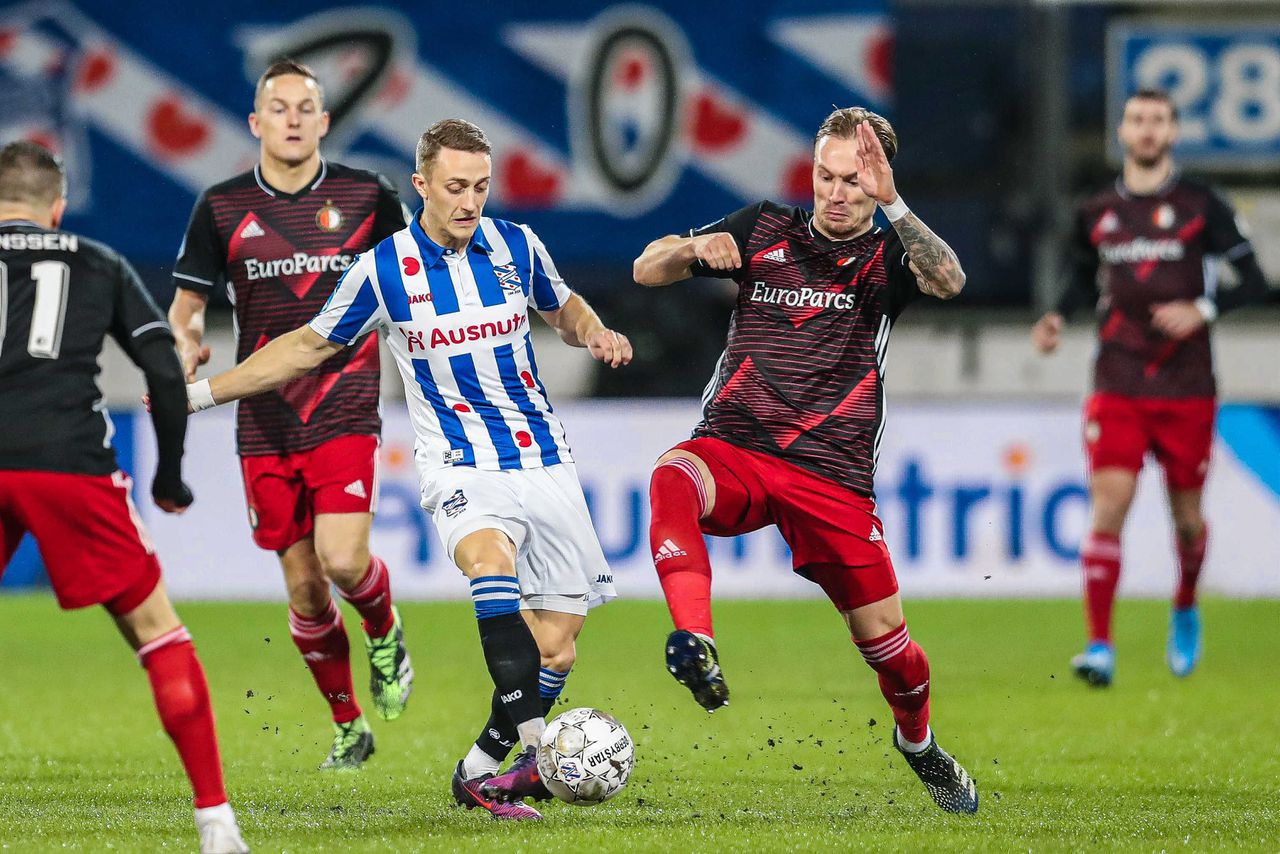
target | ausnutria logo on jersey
[{"x": 299, "y": 262}]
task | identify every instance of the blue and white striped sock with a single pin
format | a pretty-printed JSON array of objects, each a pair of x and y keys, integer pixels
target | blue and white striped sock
[
  {"x": 550, "y": 684},
  {"x": 495, "y": 595}
]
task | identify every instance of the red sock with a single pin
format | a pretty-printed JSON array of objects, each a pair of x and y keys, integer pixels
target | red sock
[
  {"x": 322, "y": 640},
  {"x": 675, "y": 539},
  {"x": 904, "y": 679},
  {"x": 372, "y": 598},
  {"x": 182, "y": 699},
  {"x": 1190, "y": 560},
  {"x": 1100, "y": 558}
]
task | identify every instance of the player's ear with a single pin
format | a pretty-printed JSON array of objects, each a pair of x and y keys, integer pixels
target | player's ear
[
  {"x": 59, "y": 208},
  {"x": 420, "y": 184},
  {"x": 324, "y": 124},
  {"x": 253, "y": 126}
]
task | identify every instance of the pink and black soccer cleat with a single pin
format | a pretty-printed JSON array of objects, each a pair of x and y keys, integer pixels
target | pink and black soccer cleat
[
  {"x": 467, "y": 793},
  {"x": 520, "y": 781}
]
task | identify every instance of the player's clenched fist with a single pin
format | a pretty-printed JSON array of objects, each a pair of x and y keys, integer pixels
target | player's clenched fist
[
  {"x": 1047, "y": 332},
  {"x": 719, "y": 251},
  {"x": 193, "y": 356},
  {"x": 610, "y": 347}
]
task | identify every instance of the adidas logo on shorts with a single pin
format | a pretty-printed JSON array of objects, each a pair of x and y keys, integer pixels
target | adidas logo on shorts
[
  {"x": 356, "y": 488},
  {"x": 779, "y": 255},
  {"x": 666, "y": 550},
  {"x": 251, "y": 230}
]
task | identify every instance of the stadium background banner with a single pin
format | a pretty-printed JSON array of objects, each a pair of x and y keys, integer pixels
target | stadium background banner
[
  {"x": 977, "y": 501},
  {"x": 610, "y": 123}
]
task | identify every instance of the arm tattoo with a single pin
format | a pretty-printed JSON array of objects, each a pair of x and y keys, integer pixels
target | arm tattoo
[{"x": 938, "y": 265}]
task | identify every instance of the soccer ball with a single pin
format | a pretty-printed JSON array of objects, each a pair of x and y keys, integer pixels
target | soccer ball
[{"x": 585, "y": 757}]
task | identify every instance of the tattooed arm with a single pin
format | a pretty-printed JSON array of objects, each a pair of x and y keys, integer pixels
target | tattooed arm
[{"x": 935, "y": 264}]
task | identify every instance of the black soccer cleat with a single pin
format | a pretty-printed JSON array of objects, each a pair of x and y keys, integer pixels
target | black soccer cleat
[
  {"x": 948, "y": 784},
  {"x": 695, "y": 664}
]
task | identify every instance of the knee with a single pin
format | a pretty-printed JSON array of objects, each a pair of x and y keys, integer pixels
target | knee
[
  {"x": 561, "y": 659},
  {"x": 1188, "y": 527},
  {"x": 344, "y": 565},
  {"x": 309, "y": 595}
]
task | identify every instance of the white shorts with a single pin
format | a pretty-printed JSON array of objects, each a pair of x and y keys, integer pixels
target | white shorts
[{"x": 559, "y": 562}]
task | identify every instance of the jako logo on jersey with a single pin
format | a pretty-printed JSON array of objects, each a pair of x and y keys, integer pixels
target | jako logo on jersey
[
  {"x": 328, "y": 218},
  {"x": 414, "y": 299},
  {"x": 475, "y": 332},
  {"x": 1141, "y": 249},
  {"x": 801, "y": 297},
  {"x": 508, "y": 278},
  {"x": 251, "y": 230},
  {"x": 455, "y": 504},
  {"x": 299, "y": 262},
  {"x": 513, "y": 696}
]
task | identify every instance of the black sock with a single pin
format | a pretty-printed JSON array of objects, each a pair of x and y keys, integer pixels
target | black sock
[
  {"x": 513, "y": 659},
  {"x": 499, "y": 734}
]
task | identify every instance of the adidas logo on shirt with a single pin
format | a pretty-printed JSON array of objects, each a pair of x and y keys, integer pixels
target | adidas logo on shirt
[
  {"x": 251, "y": 230},
  {"x": 666, "y": 550},
  {"x": 356, "y": 488},
  {"x": 779, "y": 255},
  {"x": 875, "y": 535}
]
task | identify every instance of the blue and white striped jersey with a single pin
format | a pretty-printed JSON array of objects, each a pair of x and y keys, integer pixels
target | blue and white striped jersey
[{"x": 458, "y": 326}]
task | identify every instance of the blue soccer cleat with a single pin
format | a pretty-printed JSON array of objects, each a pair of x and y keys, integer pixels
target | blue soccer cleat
[
  {"x": 1096, "y": 665},
  {"x": 1183, "y": 652}
]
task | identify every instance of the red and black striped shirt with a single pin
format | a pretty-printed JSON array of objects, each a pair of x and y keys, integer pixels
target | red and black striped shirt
[
  {"x": 281, "y": 255},
  {"x": 802, "y": 373}
]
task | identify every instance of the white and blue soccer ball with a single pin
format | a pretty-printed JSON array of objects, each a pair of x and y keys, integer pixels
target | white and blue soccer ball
[{"x": 585, "y": 757}]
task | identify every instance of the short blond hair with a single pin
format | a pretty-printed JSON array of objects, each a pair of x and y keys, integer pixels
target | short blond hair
[{"x": 843, "y": 122}]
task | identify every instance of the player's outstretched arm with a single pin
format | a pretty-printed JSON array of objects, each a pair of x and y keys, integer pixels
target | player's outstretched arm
[
  {"x": 670, "y": 259},
  {"x": 578, "y": 325},
  {"x": 283, "y": 359},
  {"x": 186, "y": 318},
  {"x": 935, "y": 263}
]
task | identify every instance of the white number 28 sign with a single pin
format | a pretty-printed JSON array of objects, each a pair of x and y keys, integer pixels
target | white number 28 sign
[{"x": 1225, "y": 81}]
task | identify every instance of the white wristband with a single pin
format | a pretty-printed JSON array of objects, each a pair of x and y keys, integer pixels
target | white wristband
[
  {"x": 200, "y": 396},
  {"x": 895, "y": 211},
  {"x": 1207, "y": 309}
]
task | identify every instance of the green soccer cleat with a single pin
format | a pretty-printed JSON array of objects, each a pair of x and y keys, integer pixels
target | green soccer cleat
[
  {"x": 390, "y": 671},
  {"x": 352, "y": 745}
]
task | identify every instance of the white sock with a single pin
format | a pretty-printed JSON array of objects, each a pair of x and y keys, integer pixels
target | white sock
[
  {"x": 531, "y": 732},
  {"x": 478, "y": 763},
  {"x": 913, "y": 746},
  {"x": 220, "y": 814}
]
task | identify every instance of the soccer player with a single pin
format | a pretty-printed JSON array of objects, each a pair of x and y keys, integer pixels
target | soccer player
[
  {"x": 280, "y": 235},
  {"x": 793, "y": 416},
  {"x": 1150, "y": 245},
  {"x": 60, "y": 296},
  {"x": 453, "y": 292}
]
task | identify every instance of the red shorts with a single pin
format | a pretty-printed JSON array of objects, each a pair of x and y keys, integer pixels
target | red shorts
[
  {"x": 91, "y": 539},
  {"x": 836, "y": 539},
  {"x": 285, "y": 492},
  {"x": 1119, "y": 431}
]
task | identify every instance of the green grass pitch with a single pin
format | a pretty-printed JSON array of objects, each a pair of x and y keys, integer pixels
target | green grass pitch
[{"x": 799, "y": 761}]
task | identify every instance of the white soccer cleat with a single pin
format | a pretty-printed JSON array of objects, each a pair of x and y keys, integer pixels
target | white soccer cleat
[{"x": 219, "y": 833}]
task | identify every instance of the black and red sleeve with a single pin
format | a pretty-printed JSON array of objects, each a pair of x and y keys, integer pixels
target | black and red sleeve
[
  {"x": 903, "y": 288},
  {"x": 738, "y": 225},
  {"x": 389, "y": 215},
  {"x": 202, "y": 258},
  {"x": 1081, "y": 271}
]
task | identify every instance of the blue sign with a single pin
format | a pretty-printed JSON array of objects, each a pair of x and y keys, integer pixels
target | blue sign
[{"x": 1225, "y": 81}]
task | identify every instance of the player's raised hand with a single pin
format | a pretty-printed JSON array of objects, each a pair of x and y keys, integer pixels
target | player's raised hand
[
  {"x": 610, "y": 347},
  {"x": 875, "y": 176},
  {"x": 1047, "y": 332},
  {"x": 718, "y": 250},
  {"x": 1178, "y": 319},
  {"x": 193, "y": 356}
]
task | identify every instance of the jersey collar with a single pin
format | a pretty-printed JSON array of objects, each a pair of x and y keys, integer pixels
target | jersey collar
[
  {"x": 1126, "y": 193},
  {"x": 431, "y": 251},
  {"x": 14, "y": 223},
  {"x": 281, "y": 194}
]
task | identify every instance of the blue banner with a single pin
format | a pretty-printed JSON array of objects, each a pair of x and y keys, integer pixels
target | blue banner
[
  {"x": 1224, "y": 79},
  {"x": 610, "y": 127}
]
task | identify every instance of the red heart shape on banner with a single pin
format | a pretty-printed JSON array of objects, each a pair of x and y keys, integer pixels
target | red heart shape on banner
[
  {"x": 716, "y": 126},
  {"x": 528, "y": 183},
  {"x": 173, "y": 131},
  {"x": 94, "y": 72},
  {"x": 797, "y": 180}
]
